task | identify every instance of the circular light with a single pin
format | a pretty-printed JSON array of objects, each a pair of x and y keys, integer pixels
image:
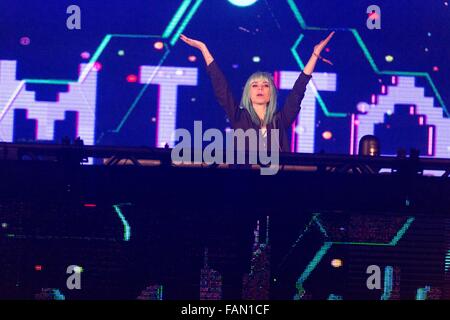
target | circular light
[
  {"x": 85, "y": 55},
  {"x": 121, "y": 53},
  {"x": 256, "y": 59},
  {"x": 435, "y": 68},
  {"x": 363, "y": 107},
  {"x": 38, "y": 267},
  {"x": 192, "y": 58},
  {"x": 389, "y": 58},
  {"x": 235, "y": 66},
  {"x": 25, "y": 41},
  {"x": 4, "y": 225},
  {"x": 158, "y": 45},
  {"x": 242, "y": 3},
  {"x": 153, "y": 119},
  {"x": 132, "y": 78},
  {"x": 336, "y": 263},
  {"x": 327, "y": 135},
  {"x": 98, "y": 66}
]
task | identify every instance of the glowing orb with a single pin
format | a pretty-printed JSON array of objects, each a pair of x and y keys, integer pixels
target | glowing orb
[
  {"x": 98, "y": 66},
  {"x": 85, "y": 55},
  {"x": 158, "y": 45},
  {"x": 256, "y": 59},
  {"x": 327, "y": 135},
  {"x": 25, "y": 41},
  {"x": 336, "y": 263},
  {"x": 242, "y": 3},
  {"x": 389, "y": 58},
  {"x": 132, "y": 78}
]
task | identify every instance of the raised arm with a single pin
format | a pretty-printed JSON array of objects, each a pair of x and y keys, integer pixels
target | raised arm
[
  {"x": 293, "y": 102},
  {"x": 200, "y": 46},
  {"x": 309, "y": 68},
  {"x": 220, "y": 84}
]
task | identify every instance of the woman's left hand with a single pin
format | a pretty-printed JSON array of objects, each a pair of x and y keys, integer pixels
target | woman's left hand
[{"x": 318, "y": 48}]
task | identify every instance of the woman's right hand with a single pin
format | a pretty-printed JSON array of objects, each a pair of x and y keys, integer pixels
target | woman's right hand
[{"x": 193, "y": 43}]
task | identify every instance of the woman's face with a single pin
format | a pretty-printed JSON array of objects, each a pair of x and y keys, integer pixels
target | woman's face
[{"x": 260, "y": 91}]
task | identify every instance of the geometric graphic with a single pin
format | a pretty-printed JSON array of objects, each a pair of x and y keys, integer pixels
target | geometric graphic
[
  {"x": 306, "y": 120},
  {"x": 168, "y": 79},
  {"x": 80, "y": 98},
  {"x": 405, "y": 92}
]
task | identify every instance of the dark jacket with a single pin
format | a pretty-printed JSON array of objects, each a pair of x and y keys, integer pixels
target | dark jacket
[{"x": 240, "y": 117}]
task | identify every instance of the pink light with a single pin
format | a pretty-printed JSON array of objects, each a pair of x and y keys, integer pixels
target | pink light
[
  {"x": 157, "y": 117},
  {"x": 394, "y": 80},
  {"x": 383, "y": 89},
  {"x": 85, "y": 55},
  {"x": 25, "y": 41},
  {"x": 192, "y": 58},
  {"x": 373, "y": 99},
  {"x": 411, "y": 110},
  {"x": 293, "y": 137},
  {"x": 276, "y": 79},
  {"x": 430, "y": 140},
  {"x": 436, "y": 69},
  {"x": 98, "y": 66},
  {"x": 90, "y": 205},
  {"x": 352, "y": 135},
  {"x": 421, "y": 121},
  {"x": 132, "y": 78},
  {"x": 38, "y": 267}
]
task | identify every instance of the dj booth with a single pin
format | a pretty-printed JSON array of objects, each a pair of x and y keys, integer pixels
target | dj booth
[{"x": 134, "y": 220}]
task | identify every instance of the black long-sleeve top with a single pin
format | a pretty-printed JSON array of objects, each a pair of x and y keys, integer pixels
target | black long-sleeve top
[{"x": 240, "y": 118}]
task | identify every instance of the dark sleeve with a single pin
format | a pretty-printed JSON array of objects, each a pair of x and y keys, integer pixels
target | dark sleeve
[
  {"x": 292, "y": 105},
  {"x": 222, "y": 90}
]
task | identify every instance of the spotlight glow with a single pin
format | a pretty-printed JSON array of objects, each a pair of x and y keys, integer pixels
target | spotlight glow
[
  {"x": 336, "y": 263},
  {"x": 25, "y": 41},
  {"x": 132, "y": 78},
  {"x": 389, "y": 58},
  {"x": 158, "y": 45},
  {"x": 242, "y": 3},
  {"x": 327, "y": 135},
  {"x": 85, "y": 55},
  {"x": 256, "y": 59}
]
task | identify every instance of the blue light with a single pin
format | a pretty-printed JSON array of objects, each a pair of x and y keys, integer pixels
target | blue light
[{"x": 242, "y": 3}]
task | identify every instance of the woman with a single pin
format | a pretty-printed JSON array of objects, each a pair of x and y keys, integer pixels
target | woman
[{"x": 258, "y": 106}]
